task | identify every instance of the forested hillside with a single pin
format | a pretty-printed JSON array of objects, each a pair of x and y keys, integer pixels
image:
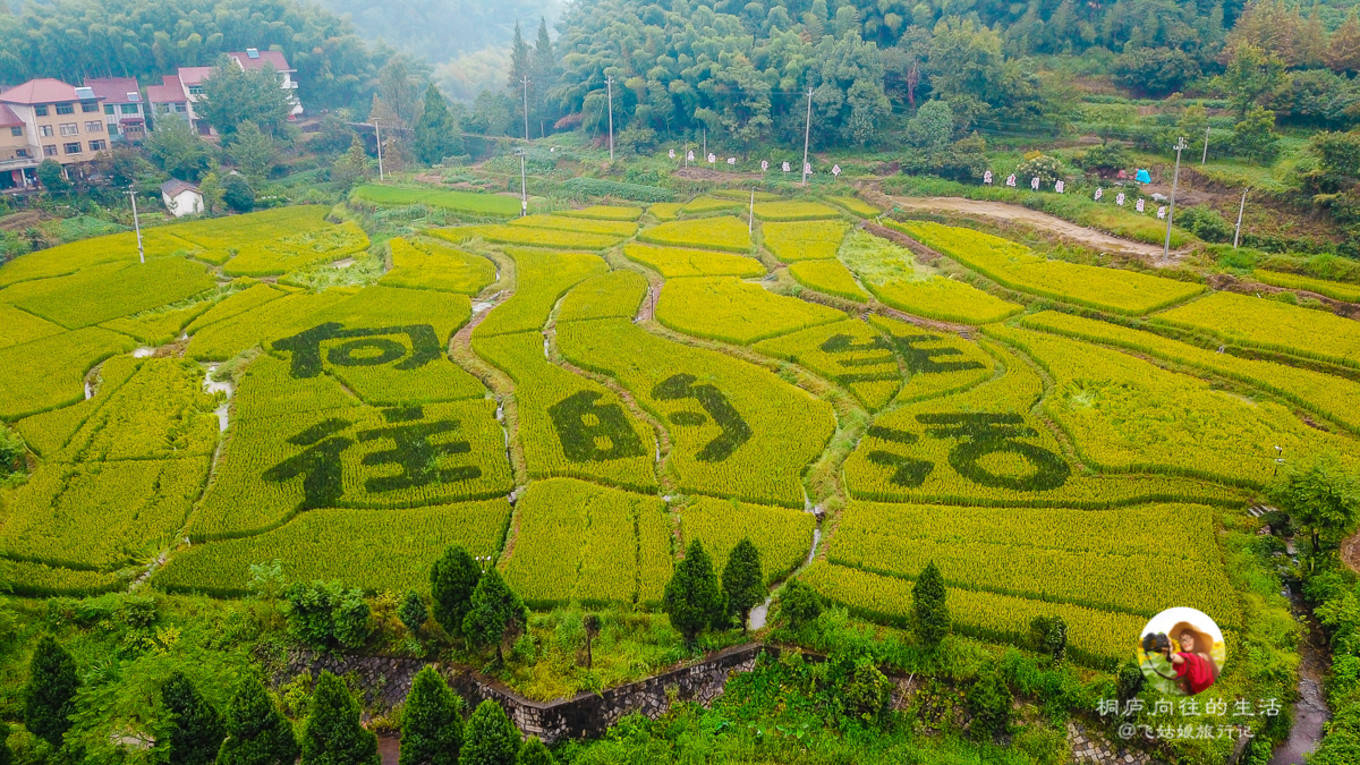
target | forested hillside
[
  {"x": 440, "y": 30},
  {"x": 73, "y": 39}
]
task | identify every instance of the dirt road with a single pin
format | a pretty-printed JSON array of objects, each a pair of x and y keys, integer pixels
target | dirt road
[{"x": 1015, "y": 213}]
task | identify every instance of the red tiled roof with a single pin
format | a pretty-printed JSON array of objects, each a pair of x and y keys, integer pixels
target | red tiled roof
[
  {"x": 42, "y": 91},
  {"x": 170, "y": 91},
  {"x": 113, "y": 90},
  {"x": 272, "y": 57},
  {"x": 194, "y": 75},
  {"x": 8, "y": 118}
]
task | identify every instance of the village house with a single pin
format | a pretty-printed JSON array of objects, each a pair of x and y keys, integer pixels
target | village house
[
  {"x": 181, "y": 198},
  {"x": 61, "y": 122},
  {"x": 124, "y": 113}
]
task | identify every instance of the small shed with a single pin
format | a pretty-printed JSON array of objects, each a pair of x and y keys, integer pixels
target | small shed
[{"x": 181, "y": 198}]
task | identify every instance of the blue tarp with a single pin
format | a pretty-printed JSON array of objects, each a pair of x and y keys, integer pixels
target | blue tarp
[{"x": 1143, "y": 176}]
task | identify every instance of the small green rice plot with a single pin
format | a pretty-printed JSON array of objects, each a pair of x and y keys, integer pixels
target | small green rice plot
[
  {"x": 74, "y": 256},
  {"x": 798, "y": 240},
  {"x": 1020, "y": 268},
  {"x": 388, "y": 550},
  {"x": 674, "y": 262},
  {"x": 235, "y": 304},
  {"x": 430, "y": 264},
  {"x": 745, "y": 195},
  {"x": 580, "y": 542},
  {"x": 160, "y": 326},
  {"x": 893, "y": 275},
  {"x": 47, "y": 432},
  {"x": 108, "y": 291},
  {"x": 788, "y": 210},
  {"x": 783, "y": 535},
  {"x": 726, "y": 308},
  {"x": 619, "y": 228},
  {"x": 856, "y": 206},
  {"x": 29, "y": 579},
  {"x": 1335, "y": 290},
  {"x": 19, "y": 326},
  {"x": 604, "y": 212},
  {"x": 719, "y": 233},
  {"x": 49, "y": 372},
  {"x": 1254, "y": 322},
  {"x": 529, "y": 236},
  {"x": 664, "y": 211},
  {"x": 616, "y": 294},
  {"x": 541, "y": 278},
  {"x": 493, "y": 205},
  {"x": 217, "y": 240},
  {"x": 708, "y": 204},
  {"x": 828, "y": 276},
  {"x": 224, "y": 339},
  {"x": 297, "y": 251}
]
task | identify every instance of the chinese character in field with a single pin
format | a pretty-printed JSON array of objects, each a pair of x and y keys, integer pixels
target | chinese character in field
[
  {"x": 1010, "y": 180},
  {"x": 785, "y": 167},
  {"x": 1060, "y": 187},
  {"x": 1140, "y": 205},
  {"x": 414, "y": 454},
  {"x": 984, "y": 434},
  {"x": 362, "y": 347},
  {"x": 907, "y": 471},
  {"x": 1034, "y": 183},
  {"x": 735, "y": 431},
  {"x": 671, "y": 153},
  {"x": 318, "y": 464},
  {"x": 1119, "y": 199},
  {"x": 987, "y": 177},
  {"x": 764, "y": 165},
  {"x": 590, "y": 432},
  {"x": 1099, "y": 193}
]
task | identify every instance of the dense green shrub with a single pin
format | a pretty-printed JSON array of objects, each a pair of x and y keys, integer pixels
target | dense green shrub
[
  {"x": 49, "y": 697},
  {"x": 800, "y": 604},
  {"x": 598, "y": 187},
  {"x": 327, "y": 614},
  {"x": 1205, "y": 223},
  {"x": 988, "y": 700}
]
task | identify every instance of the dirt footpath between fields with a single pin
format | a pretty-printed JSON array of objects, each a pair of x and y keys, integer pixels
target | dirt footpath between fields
[{"x": 1016, "y": 214}]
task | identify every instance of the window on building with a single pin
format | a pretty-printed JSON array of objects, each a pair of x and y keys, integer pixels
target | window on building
[
  {"x": 96, "y": 145},
  {"x": 45, "y": 131},
  {"x": 181, "y": 108},
  {"x": 40, "y": 110},
  {"x": 49, "y": 151},
  {"x": 108, "y": 108},
  {"x": 16, "y": 131},
  {"x": 94, "y": 126},
  {"x": 66, "y": 108},
  {"x": 195, "y": 90},
  {"x": 130, "y": 109},
  {"x": 21, "y": 152},
  {"x": 69, "y": 129},
  {"x": 89, "y": 106},
  {"x": 71, "y": 148}
]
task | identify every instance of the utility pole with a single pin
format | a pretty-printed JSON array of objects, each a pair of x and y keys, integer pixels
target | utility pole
[
  {"x": 609, "y": 88},
  {"x": 525, "y": 80},
  {"x": 523, "y": 189},
  {"x": 751, "y": 216},
  {"x": 1205, "y": 158},
  {"x": 1241, "y": 207},
  {"x": 807, "y": 133},
  {"x": 1171, "y": 213},
  {"x": 137, "y": 224},
  {"x": 378, "y": 130},
  {"x": 705, "y": 142}
]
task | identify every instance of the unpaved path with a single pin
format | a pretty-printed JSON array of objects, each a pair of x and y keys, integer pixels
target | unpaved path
[{"x": 1015, "y": 213}]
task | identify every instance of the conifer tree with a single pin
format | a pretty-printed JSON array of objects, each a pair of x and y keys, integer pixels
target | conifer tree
[
  {"x": 521, "y": 66},
  {"x": 928, "y": 605},
  {"x": 452, "y": 579},
  {"x": 490, "y": 738},
  {"x": 742, "y": 582},
  {"x": 431, "y": 726},
  {"x": 257, "y": 733},
  {"x": 496, "y": 611},
  {"x": 193, "y": 731},
  {"x": 49, "y": 697},
  {"x": 333, "y": 735},
  {"x": 544, "y": 76},
  {"x": 413, "y": 613},
  {"x": 436, "y": 134},
  {"x": 693, "y": 599},
  {"x": 535, "y": 752}
]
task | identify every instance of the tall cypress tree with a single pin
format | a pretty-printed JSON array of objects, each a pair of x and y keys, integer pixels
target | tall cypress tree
[
  {"x": 544, "y": 76},
  {"x": 521, "y": 66},
  {"x": 490, "y": 737},
  {"x": 431, "y": 728},
  {"x": 452, "y": 579},
  {"x": 436, "y": 131},
  {"x": 49, "y": 697},
  {"x": 928, "y": 605},
  {"x": 257, "y": 733},
  {"x": 496, "y": 611},
  {"x": 333, "y": 735},
  {"x": 742, "y": 581},
  {"x": 193, "y": 731},
  {"x": 6, "y": 754},
  {"x": 693, "y": 599}
]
